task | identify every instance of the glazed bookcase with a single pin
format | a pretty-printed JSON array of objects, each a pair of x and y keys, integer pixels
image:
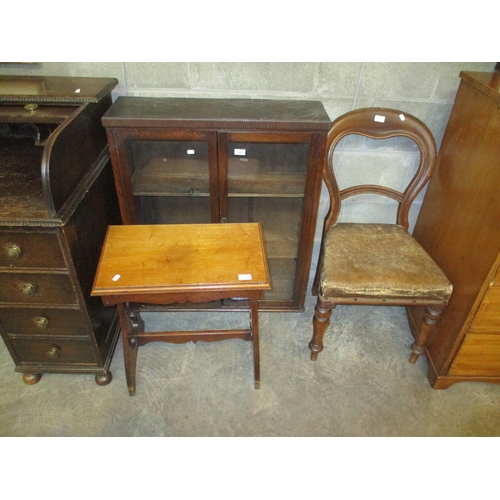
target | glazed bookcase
[{"x": 183, "y": 160}]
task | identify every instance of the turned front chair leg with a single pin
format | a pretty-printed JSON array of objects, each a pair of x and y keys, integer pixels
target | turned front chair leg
[
  {"x": 321, "y": 320},
  {"x": 431, "y": 318}
]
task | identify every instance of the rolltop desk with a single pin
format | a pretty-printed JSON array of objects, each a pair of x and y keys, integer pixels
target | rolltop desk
[{"x": 57, "y": 198}]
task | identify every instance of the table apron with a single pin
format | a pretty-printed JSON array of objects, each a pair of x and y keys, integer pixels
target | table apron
[{"x": 180, "y": 297}]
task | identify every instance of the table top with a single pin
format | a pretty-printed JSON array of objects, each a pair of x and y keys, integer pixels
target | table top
[{"x": 174, "y": 258}]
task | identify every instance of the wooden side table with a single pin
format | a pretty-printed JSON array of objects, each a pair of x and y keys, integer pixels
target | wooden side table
[{"x": 163, "y": 264}]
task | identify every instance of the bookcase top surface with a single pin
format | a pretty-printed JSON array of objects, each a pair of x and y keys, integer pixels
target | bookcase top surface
[{"x": 217, "y": 113}]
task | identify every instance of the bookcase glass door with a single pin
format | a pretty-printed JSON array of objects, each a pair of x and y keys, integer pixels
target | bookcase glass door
[
  {"x": 170, "y": 181},
  {"x": 266, "y": 183}
]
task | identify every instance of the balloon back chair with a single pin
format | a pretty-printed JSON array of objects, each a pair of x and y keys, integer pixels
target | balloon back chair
[{"x": 377, "y": 264}]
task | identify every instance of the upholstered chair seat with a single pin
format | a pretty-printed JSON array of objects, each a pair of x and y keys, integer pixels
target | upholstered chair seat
[{"x": 378, "y": 260}]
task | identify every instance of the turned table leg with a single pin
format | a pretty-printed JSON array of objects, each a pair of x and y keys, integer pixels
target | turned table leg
[{"x": 131, "y": 323}]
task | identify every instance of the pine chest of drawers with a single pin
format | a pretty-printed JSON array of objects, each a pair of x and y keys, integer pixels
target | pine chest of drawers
[{"x": 458, "y": 225}]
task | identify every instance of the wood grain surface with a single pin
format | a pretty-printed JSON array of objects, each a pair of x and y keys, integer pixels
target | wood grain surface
[{"x": 168, "y": 258}]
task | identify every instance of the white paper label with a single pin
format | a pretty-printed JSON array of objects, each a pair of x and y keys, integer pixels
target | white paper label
[
  {"x": 240, "y": 152},
  {"x": 244, "y": 277},
  {"x": 190, "y": 151},
  {"x": 116, "y": 277},
  {"x": 379, "y": 118}
]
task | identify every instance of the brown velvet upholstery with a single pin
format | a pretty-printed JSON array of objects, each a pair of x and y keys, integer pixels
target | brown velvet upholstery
[{"x": 382, "y": 260}]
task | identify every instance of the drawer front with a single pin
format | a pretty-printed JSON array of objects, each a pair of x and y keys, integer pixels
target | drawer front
[
  {"x": 479, "y": 355},
  {"x": 43, "y": 321},
  {"x": 487, "y": 318},
  {"x": 31, "y": 288},
  {"x": 30, "y": 249},
  {"x": 53, "y": 351}
]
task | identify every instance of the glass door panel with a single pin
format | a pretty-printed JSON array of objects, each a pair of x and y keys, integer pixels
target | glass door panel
[
  {"x": 266, "y": 184},
  {"x": 281, "y": 222},
  {"x": 267, "y": 169},
  {"x": 170, "y": 181},
  {"x": 173, "y": 210}
]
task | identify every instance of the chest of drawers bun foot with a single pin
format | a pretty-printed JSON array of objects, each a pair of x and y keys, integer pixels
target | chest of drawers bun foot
[
  {"x": 103, "y": 379},
  {"x": 32, "y": 378}
]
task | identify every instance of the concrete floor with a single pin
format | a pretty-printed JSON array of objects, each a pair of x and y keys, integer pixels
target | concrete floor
[{"x": 361, "y": 385}]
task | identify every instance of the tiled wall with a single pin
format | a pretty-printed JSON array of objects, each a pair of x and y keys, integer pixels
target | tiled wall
[{"x": 426, "y": 90}]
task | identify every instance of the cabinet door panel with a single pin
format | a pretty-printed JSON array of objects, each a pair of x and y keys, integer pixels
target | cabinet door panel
[
  {"x": 163, "y": 173},
  {"x": 171, "y": 168},
  {"x": 264, "y": 179},
  {"x": 274, "y": 169},
  {"x": 170, "y": 181},
  {"x": 280, "y": 219},
  {"x": 173, "y": 210}
]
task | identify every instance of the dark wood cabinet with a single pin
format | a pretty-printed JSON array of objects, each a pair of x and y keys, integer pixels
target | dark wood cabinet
[
  {"x": 458, "y": 225},
  {"x": 57, "y": 197},
  {"x": 225, "y": 160}
]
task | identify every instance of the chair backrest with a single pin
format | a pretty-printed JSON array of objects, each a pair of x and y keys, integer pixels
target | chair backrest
[{"x": 379, "y": 123}]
